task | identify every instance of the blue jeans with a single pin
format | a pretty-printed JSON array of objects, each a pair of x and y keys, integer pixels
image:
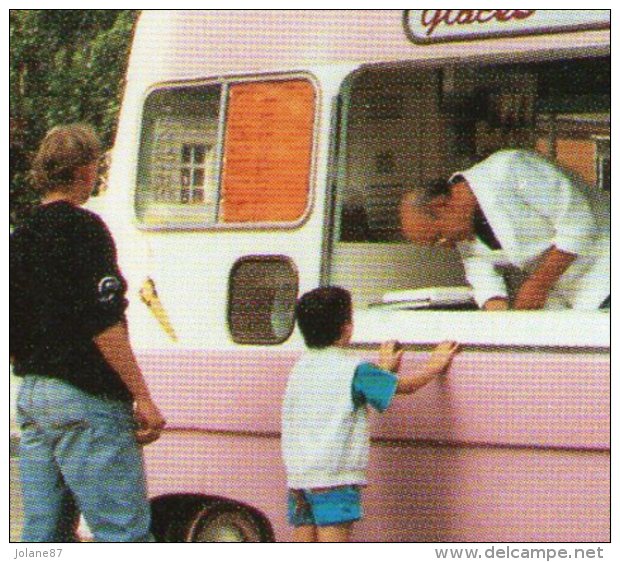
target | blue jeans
[{"x": 78, "y": 453}]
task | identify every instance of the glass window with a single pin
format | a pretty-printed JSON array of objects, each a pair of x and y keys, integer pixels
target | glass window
[
  {"x": 262, "y": 295},
  {"x": 266, "y": 154},
  {"x": 603, "y": 164},
  {"x": 177, "y": 181}
]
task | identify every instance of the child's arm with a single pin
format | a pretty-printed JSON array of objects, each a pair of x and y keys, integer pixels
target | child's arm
[{"x": 439, "y": 361}]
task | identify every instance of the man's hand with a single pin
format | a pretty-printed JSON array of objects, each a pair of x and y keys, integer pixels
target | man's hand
[
  {"x": 496, "y": 303},
  {"x": 441, "y": 357},
  {"x": 116, "y": 349},
  {"x": 533, "y": 293},
  {"x": 149, "y": 419},
  {"x": 531, "y": 296},
  {"x": 390, "y": 356}
]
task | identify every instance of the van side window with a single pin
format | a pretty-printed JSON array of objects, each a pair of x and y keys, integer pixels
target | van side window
[
  {"x": 267, "y": 151},
  {"x": 231, "y": 152},
  {"x": 177, "y": 181},
  {"x": 261, "y": 299}
]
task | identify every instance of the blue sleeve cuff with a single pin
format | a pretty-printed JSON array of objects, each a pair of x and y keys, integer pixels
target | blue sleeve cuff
[{"x": 374, "y": 386}]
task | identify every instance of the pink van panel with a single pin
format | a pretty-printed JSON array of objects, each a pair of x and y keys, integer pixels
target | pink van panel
[
  {"x": 416, "y": 493},
  {"x": 527, "y": 399},
  {"x": 508, "y": 447}
]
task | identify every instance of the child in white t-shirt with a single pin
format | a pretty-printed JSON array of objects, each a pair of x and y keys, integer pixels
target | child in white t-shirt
[{"x": 325, "y": 438}]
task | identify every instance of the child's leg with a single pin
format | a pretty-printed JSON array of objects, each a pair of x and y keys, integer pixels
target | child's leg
[
  {"x": 335, "y": 533},
  {"x": 305, "y": 533}
]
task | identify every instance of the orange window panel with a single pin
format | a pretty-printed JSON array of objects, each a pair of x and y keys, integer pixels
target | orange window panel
[{"x": 267, "y": 151}]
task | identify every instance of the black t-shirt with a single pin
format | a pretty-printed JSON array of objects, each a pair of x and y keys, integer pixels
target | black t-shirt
[{"x": 65, "y": 288}]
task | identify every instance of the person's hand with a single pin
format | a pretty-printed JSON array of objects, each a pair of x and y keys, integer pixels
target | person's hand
[
  {"x": 390, "y": 356},
  {"x": 441, "y": 357},
  {"x": 149, "y": 419},
  {"x": 531, "y": 296},
  {"x": 534, "y": 291},
  {"x": 496, "y": 303}
]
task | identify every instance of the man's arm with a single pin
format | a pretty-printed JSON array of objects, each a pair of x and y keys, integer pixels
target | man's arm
[
  {"x": 533, "y": 293},
  {"x": 496, "y": 304},
  {"x": 115, "y": 347},
  {"x": 487, "y": 283}
]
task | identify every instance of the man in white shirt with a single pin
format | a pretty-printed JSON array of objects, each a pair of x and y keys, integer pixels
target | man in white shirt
[{"x": 517, "y": 209}]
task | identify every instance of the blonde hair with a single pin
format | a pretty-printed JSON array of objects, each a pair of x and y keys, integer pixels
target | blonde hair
[{"x": 63, "y": 150}]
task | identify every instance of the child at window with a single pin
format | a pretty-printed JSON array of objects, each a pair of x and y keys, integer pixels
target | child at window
[{"x": 325, "y": 439}]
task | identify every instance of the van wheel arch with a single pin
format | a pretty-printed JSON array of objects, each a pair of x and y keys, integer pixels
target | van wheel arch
[{"x": 182, "y": 518}]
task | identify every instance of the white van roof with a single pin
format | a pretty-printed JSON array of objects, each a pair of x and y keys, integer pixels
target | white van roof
[{"x": 174, "y": 44}]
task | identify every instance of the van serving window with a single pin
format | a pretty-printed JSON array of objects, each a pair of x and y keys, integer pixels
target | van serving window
[
  {"x": 234, "y": 153},
  {"x": 448, "y": 119}
]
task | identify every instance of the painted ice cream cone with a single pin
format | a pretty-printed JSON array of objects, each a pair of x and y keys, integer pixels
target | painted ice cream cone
[{"x": 149, "y": 296}]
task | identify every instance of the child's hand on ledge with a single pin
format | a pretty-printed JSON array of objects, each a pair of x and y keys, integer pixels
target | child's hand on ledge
[
  {"x": 442, "y": 356},
  {"x": 390, "y": 356}
]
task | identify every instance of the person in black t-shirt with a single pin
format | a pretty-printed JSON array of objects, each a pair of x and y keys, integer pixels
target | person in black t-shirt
[{"x": 83, "y": 405}]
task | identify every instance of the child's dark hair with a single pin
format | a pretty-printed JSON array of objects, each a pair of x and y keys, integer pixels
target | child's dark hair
[{"x": 321, "y": 315}]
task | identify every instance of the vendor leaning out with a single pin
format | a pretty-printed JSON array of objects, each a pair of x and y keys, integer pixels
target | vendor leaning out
[{"x": 517, "y": 209}]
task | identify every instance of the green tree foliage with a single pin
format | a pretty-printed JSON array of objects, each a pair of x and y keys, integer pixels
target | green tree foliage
[{"x": 65, "y": 66}]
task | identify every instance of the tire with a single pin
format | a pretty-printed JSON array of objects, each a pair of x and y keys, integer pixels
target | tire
[{"x": 225, "y": 522}]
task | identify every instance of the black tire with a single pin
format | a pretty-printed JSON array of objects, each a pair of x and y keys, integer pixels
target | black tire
[{"x": 226, "y": 522}]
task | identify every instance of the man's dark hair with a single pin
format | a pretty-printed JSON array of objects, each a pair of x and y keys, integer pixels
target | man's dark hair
[
  {"x": 437, "y": 188},
  {"x": 321, "y": 315},
  {"x": 434, "y": 189}
]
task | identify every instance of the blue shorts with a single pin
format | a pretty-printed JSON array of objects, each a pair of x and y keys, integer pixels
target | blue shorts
[{"x": 327, "y": 506}]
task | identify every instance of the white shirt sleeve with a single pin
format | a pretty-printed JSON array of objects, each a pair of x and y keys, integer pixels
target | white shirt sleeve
[
  {"x": 555, "y": 196},
  {"x": 481, "y": 273}
]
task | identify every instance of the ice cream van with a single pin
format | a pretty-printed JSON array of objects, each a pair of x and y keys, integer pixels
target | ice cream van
[{"x": 261, "y": 154}]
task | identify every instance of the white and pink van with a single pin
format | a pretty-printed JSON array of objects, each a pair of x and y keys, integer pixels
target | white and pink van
[{"x": 261, "y": 154}]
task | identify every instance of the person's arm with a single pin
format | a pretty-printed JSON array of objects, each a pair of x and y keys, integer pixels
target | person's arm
[
  {"x": 376, "y": 385},
  {"x": 558, "y": 198},
  {"x": 488, "y": 285},
  {"x": 496, "y": 304},
  {"x": 115, "y": 347},
  {"x": 98, "y": 304},
  {"x": 437, "y": 364},
  {"x": 533, "y": 293},
  {"x": 390, "y": 357}
]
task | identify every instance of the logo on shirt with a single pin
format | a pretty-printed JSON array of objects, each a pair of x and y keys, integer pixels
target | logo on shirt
[{"x": 108, "y": 289}]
